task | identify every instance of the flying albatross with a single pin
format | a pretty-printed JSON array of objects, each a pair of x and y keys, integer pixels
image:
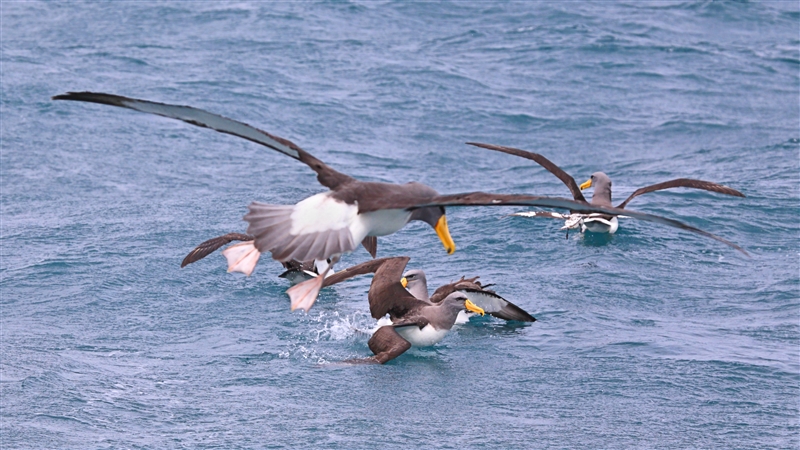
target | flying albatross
[
  {"x": 598, "y": 223},
  {"x": 330, "y": 223},
  {"x": 417, "y": 284},
  {"x": 415, "y": 322}
]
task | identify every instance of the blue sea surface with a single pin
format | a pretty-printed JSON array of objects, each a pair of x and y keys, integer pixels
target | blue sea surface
[{"x": 652, "y": 338}]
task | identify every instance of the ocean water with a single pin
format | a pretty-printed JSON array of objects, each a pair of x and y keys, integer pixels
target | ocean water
[{"x": 654, "y": 338}]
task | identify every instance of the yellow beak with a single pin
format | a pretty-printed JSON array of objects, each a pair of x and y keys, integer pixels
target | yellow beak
[
  {"x": 404, "y": 281},
  {"x": 473, "y": 307},
  {"x": 444, "y": 235},
  {"x": 586, "y": 185}
]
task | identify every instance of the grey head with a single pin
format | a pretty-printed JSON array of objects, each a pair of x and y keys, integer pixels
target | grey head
[
  {"x": 602, "y": 188},
  {"x": 430, "y": 215},
  {"x": 417, "y": 284},
  {"x": 446, "y": 312}
]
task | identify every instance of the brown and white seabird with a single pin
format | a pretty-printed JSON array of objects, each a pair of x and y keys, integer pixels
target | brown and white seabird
[
  {"x": 416, "y": 283},
  {"x": 328, "y": 224},
  {"x": 598, "y": 223},
  {"x": 415, "y": 322}
]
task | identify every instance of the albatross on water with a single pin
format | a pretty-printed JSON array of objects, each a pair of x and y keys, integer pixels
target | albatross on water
[
  {"x": 331, "y": 223},
  {"x": 417, "y": 284},
  {"x": 598, "y": 223},
  {"x": 415, "y": 322}
]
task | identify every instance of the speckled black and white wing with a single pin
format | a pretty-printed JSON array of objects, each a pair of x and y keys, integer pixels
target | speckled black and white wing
[
  {"x": 496, "y": 305},
  {"x": 546, "y": 214}
]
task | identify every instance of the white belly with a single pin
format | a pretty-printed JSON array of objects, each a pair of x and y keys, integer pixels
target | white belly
[
  {"x": 600, "y": 225},
  {"x": 463, "y": 317},
  {"x": 425, "y": 337},
  {"x": 378, "y": 223}
]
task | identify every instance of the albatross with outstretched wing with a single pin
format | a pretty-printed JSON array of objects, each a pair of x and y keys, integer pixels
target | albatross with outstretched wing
[
  {"x": 415, "y": 322},
  {"x": 417, "y": 284},
  {"x": 331, "y": 223},
  {"x": 598, "y": 223}
]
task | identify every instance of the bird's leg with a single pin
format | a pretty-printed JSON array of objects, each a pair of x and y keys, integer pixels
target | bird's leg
[{"x": 303, "y": 295}]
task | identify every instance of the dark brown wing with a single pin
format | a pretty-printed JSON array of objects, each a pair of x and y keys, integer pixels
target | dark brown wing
[
  {"x": 542, "y": 161},
  {"x": 386, "y": 294},
  {"x": 443, "y": 291},
  {"x": 198, "y": 117},
  {"x": 370, "y": 243},
  {"x": 364, "y": 268},
  {"x": 683, "y": 182},
  {"x": 387, "y": 344},
  {"x": 210, "y": 246},
  {"x": 486, "y": 199}
]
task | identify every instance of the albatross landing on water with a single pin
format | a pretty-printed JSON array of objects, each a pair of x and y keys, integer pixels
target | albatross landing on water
[
  {"x": 598, "y": 223},
  {"x": 331, "y": 223},
  {"x": 415, "y": 322},
  {"x": 417, "y": 284}
]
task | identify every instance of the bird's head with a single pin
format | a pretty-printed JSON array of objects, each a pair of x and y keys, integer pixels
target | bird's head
[
  {"x": 436, "y": 218},
  {"x": 602, "y": 188},
  {"x": 458, "y": 301}
]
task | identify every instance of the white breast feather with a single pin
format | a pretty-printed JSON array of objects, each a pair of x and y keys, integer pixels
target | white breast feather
[
  {"x": 425, "y": 337},
  {"x": 463, "y": 317},
  {"x": 321, "y": 212},
  {"x": 598, "y": 224},
  {"x": 378, "y": 223}
]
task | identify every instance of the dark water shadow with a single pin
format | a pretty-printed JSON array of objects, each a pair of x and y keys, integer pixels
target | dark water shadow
[{"x": 596, "y": 239}]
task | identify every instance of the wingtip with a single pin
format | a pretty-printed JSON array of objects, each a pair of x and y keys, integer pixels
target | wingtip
[{"x": 68, "y": 95}]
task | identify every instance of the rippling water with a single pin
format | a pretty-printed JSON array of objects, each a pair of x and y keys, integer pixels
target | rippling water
[{"x": 653, "y": 338}]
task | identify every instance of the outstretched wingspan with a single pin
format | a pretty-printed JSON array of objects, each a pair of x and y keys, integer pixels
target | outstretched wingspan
[
  {"x": 683, "y": 182},
  {"x": 542, "y": 161},
  {"x": 486, "y": 199},
  {"x": 327, "y": 176}
]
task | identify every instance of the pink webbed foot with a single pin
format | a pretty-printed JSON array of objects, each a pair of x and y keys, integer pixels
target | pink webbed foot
[
  {"x": 303, "y": 295},
  {"x": 242, "y": 257}
]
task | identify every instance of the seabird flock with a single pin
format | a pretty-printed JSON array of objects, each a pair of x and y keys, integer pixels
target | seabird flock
[{"x": 309, "y": 237}]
